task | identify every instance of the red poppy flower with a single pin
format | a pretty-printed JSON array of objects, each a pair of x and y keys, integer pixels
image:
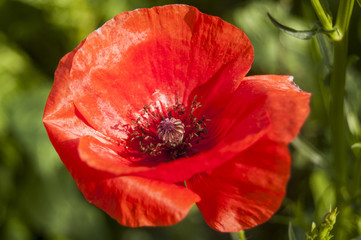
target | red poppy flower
[{"x": 152, "y": 112}]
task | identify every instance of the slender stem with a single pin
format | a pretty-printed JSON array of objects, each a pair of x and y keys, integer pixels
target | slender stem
[
  {"x": 338, "y": 130},
  {"x": 337, "y": 115},
  {"x": 242, "y": 235},
  {"x": 325, "y": 19},
  {"x": 343, "y": 16},
  {"x": 338, "y": 79}
]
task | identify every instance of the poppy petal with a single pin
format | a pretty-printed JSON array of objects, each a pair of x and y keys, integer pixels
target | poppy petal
[
  {"x": 135, "y": 201},
  {"x": 245, "y": 191},
  {"x": 61, "y": 119},
  {"x": 151, "y": 56},
  {"x": 285, "y": 103},
  {"x": 60, "y": 110}
]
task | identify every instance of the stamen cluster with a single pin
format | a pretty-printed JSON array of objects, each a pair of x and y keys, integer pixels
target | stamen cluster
[{"x": 174, "y": 133}]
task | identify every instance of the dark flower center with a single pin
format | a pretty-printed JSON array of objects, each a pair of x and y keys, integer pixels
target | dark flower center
[{"x": 171, "y": 132}]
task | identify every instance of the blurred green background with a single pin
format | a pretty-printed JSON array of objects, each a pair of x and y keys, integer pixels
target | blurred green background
[{"x": 38, "y": 197}]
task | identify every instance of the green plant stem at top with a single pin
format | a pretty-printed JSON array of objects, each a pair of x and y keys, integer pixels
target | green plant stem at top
[
  {"x": 325, "y": 19},
  {"x": 344, "y": 16}
]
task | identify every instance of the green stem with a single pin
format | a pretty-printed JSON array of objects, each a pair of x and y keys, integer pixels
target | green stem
[
  {"x": 338, "y": 133},
  {"x": 242, "y": 235},
  {"x": 338, "y": 79},
  {"x": 337, "y": 115},
  {"x": 343, "y": 16},
  {"x": 325, "y": 19},
  {"x": 338, "y": 130}
]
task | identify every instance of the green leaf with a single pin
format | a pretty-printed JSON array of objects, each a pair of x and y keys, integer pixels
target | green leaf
[
  {"x": 356, "y": 145},
  {"x": 323, "y": 191},
  {"x": 301, "y": 34},
  {"x": 291, "y": 234},
  {"x": 309, "y": 151},
  {"x": 359, "y": 3},
  {"x": 352, "y": 118}
]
